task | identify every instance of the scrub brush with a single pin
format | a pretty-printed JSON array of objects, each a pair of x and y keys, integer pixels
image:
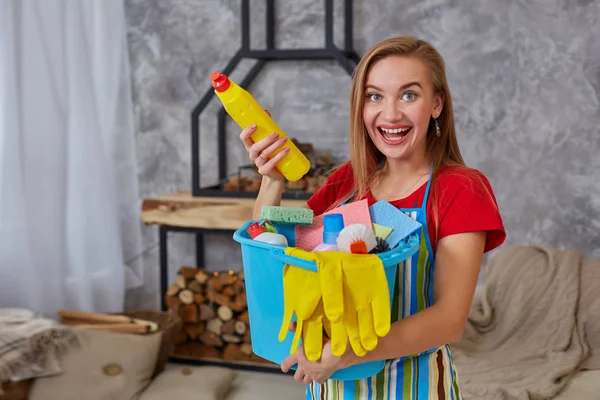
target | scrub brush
[
  {"x": 382, "y": 246},
  {"x": 357, "y": 239}
]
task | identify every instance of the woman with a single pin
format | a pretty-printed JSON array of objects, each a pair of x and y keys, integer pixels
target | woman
[{"x": 403, "y": 149}]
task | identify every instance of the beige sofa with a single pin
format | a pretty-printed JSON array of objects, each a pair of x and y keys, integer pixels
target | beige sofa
[{"x": 120, "y": 366}]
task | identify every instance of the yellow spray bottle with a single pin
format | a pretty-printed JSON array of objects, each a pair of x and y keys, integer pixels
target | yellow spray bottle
[{"x": 245, "y": 111}]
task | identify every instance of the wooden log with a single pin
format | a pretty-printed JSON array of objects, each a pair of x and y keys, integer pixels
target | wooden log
[
  {"x": 199, "y": 298},
  {"x": 187, "y": 272},
  {"x": 231, "y": 338},
  {"x": 244, "y": 317},
  {"x": 206, "y": 312},
  {"x": 210, "y": 339},
  {"x": 180, "y": 281},
  {"x": 218, "y": 298},
  {"x": 195, "y": 286},
  {"x": 214, "y": 325},
  {"x": 246, "y": 337},
  {"x": 225, "y": 313},
  {"x": 228, "y": 291},
  {"x": 173, "y": 289},
  {"x": 172, "y": 302},
  {"x": 201, "y": 277},
  {"x": 238, "y": 306},
  {"x": 194, "y": 330},
  {"x": 119, "y": 328},
  {"x": 220, "y": 281},
  {"x": 246, "y": 348},
  {"x": 188, "y": 313},
  {"x": 239, "y": 286},
  {"x": 186, "y": 296},
  {"x": 240, "y": 327},
  {"x": 229, "y": 326}
]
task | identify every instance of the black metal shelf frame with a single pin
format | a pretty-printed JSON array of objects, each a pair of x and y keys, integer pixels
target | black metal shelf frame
[{"x": 347, "y": 58}]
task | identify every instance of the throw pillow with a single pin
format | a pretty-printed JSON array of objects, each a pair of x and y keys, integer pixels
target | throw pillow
[{"x": 107, "y": 365}]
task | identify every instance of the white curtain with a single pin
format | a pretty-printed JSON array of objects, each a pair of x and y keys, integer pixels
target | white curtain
[{"x": 69, "y": 209}]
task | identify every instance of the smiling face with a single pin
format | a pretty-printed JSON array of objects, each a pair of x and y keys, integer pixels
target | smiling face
[{"x": 399, "y": 102}]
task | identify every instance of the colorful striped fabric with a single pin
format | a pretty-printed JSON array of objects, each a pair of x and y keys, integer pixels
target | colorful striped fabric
[{"x": 427, "y": 376}]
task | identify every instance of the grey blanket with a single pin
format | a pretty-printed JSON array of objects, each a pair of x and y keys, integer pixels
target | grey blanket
[{"x": 532, "y": 325}]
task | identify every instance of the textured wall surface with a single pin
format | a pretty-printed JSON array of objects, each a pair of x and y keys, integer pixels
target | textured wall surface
[{"x": 525, "y": 77}]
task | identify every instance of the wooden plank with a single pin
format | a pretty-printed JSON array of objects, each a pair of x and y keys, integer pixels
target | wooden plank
[{"x": 183, "y": 210}]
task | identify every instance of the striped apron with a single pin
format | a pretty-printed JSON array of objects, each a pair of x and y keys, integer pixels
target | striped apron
[{"x": 427, "y": 376}]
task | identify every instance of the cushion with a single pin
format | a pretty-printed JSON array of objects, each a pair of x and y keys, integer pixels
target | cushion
[
  {"x": 107, "y": 365},
  {"x": 197, "y": 383}
]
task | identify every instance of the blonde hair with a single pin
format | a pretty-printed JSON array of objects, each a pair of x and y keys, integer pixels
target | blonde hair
[{"x": 364, "y": 156}]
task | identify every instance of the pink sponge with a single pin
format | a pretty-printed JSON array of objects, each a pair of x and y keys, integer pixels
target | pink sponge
[{"x": 308, "y": 237}]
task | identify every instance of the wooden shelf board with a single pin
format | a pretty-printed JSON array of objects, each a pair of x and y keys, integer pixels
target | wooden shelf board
[{"x": 181, "y": 209}]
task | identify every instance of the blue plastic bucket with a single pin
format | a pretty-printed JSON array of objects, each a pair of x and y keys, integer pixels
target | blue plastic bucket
[{"x": 263, "y": 274}]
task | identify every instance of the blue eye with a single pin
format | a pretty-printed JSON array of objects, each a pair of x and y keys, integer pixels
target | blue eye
[
  {"x": 373, "y": 97},
  {"x": 409, "y": 96}
]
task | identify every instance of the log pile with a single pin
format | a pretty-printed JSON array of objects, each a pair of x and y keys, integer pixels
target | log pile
[
  {"x": 321, "y": 164},
  {"x": 214, "y": 312}
]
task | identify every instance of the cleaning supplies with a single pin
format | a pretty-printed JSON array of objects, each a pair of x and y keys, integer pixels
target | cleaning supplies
[
  {"x": 332, "y": 226},
  {"x": 287, "y": 215},
  {"x": 381, "y": 246},
  {"x": 260, "y": 234},
  {"x": 302, "y": 297},
  {"x": 381, "y": 231},
  {"x": 356, "y": 239},
  {"x": 245, "y": 111},
  {"x": 366, "y": 300},
  {"x": 355, "y": 295},
  {"x": 383, "y": 212},
  {"x": 329, "y": 281}
]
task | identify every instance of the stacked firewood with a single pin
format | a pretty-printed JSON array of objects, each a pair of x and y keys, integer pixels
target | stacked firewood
[
  {"x": 214, "y": 312},
  {"x": 321, "y": 164}
]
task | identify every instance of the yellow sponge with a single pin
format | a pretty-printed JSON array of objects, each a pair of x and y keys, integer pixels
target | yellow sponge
[{"x": 381, "y": 231}]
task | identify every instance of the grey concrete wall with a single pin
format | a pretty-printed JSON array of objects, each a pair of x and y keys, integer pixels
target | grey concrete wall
[{"x": 525, "y": 77}]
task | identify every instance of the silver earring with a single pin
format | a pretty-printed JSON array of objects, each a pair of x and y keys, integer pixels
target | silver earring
[{"x": 438, "y": 133}]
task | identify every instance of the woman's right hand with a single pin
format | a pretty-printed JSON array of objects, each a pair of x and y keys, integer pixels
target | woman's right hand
[{"x": 261, "y": 151}]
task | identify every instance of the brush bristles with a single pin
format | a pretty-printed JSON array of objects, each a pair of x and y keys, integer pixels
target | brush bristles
[{"x": 350, "y": 237}]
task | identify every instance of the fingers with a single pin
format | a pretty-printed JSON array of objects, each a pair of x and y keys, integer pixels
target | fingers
[
  {"x": 270, "y": 165},
  {"x": 292, "y": 327},
  {"x": 299, "y": 375},
  {"x": 288, "y": 363},
  {"x": 245, "y": 136}
]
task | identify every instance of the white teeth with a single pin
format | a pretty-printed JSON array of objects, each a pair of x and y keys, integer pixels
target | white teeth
[{"x": 398, "y": 130}]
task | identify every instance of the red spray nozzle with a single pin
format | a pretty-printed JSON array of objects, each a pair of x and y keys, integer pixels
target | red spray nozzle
[
  {"x": 255, "y": 229},
  {"x": 219, "y": 81}
]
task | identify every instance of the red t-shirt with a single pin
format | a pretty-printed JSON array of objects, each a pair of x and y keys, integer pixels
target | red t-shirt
[{"x": 463, "y": 203}]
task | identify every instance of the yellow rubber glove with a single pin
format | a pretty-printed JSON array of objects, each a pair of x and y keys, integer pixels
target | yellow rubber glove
[
  {"x": 366, "y": 301},
  {"x": 329, "y": 265},
  {"x": 302, "y": 297}
]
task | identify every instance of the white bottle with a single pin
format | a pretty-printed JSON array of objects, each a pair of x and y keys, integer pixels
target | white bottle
[
  {"x": 260, "y": 234},
  {"x": 332, "y": 225}
]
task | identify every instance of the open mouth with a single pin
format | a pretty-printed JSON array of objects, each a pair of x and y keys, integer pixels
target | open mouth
[{"x": 394, "y": 135}]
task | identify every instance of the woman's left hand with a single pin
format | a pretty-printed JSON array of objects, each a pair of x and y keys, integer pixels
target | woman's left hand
[{"x": 318, "y": 371}]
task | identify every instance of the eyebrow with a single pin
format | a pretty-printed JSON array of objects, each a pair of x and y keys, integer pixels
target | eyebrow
[{"x": 403, "y": 87}]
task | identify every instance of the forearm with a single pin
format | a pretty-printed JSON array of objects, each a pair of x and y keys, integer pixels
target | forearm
[
  {"x": 269, "y": 194},
  {"x": 427, "y": 329}
]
